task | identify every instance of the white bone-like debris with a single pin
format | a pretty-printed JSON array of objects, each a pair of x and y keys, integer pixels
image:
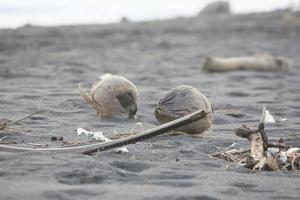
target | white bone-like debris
[
  {"x": 269, "y": 118},
  {"x": 282, "y": 157},
  {"x": 138, "y": 127},
  {"x": 98, "y": 136},
  {"x": 281, "y": 119},
  {"x": 273, "y": 150},
  {"x": 81, "y": 131},
  {"x": 233, "y": 145},
  {"x": 292, "y": 151}
]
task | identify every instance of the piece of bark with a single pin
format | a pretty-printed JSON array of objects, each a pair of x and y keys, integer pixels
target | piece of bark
[
  {"x": 257, "y": 146},
  {"x": 272, "y": 164},
  {"x": 260, "y": 165},
  {"x": 296, "y": 162},
  {"x": 250, "y": 162},
  {"x": 258, "y": 142}
]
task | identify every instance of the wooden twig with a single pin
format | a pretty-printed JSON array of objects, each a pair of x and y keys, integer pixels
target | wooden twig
[
  {"x": 263, "y": 115},
  {"x": 244, "y": 131},
  {"x": 261, "y": 128},
  {"x": 232, "y": 155},
  {"x": 4, "y": 125},
  {"x": 92, "y": 148}
]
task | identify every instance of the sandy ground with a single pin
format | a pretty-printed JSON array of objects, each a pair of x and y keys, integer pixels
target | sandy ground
[{"x": 40, "y": 68}]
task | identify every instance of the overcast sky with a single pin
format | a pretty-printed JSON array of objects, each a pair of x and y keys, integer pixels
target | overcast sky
[{"x": 14, "y": 13}]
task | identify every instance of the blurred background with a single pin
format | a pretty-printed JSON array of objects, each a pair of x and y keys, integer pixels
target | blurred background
[{"x": 15, "y": 13}]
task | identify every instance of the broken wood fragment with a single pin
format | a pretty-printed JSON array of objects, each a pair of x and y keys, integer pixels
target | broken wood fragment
[{"x": 259, "y": 62}]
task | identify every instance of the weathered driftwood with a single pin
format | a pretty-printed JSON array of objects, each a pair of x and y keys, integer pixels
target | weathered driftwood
[
  {"x": 92, "y": 148},
  {"x": 260, "y": 62},
  {"x": 263, "y": 154}
]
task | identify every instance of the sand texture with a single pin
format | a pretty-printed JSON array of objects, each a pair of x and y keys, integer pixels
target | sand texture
[{"x": 41, "y": 67}]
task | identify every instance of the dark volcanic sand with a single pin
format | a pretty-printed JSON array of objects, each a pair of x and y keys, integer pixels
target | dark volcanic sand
[{"x": 40, "y": 68}]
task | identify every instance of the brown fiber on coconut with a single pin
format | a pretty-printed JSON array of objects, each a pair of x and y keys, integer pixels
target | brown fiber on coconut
[{"x": 183, "y": 100}]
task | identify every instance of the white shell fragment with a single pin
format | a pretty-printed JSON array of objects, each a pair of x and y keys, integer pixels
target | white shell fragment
[
  {"x": 292, "y": 151},
  {"x": 98, "y": 136},
  {"x": 81, "y": 131},
  {"x": 233, "y": 145},
  {"x": 282, "y": 157},
  {"x": 138, "y": 127},
  {"x": 273, "y": 150},
  {"x": 281, "y": 119},
  {"x": 269, "y": 118}
]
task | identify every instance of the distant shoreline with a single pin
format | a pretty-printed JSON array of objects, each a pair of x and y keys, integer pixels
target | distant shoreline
[
  {"x": 283, "y": 11},
  {"x": 66, "y": 13}
]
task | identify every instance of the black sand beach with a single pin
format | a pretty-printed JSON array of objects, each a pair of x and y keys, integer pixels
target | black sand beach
[{"x": 41, "y": 67}]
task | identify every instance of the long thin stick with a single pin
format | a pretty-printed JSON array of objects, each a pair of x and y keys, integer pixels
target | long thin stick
[
  {"x": 2, "y": 126},
  {"x": 91, "y": 148},
  {"x": 263, "y": 115}
]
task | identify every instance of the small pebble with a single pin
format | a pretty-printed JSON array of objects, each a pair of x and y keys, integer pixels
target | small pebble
[{"x": 55, "y": 138}]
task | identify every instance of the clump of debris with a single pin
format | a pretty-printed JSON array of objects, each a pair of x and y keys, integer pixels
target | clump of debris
[{"x": 263, "y": 155}]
